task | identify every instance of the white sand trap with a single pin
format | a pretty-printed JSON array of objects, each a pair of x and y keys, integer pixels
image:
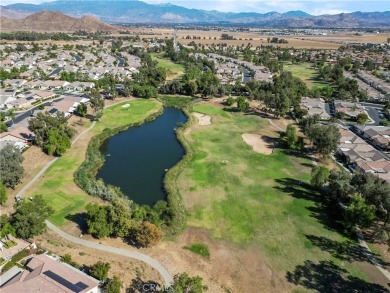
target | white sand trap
[
  {"x": 258, "y": 144},
  {"x": 203, "y": 119},
  {"x": 126, "y": 106}
]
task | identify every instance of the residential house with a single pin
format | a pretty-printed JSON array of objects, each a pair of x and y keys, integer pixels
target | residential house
[
  {"x": 351, "y": 110},
  {"x": 44, "y": 274},
  {"x": 315, "y": 107},
  {"x": 378, "y": 135},
  {"x": 7, "y": 95},
  {"x": 14, "y": 83}
]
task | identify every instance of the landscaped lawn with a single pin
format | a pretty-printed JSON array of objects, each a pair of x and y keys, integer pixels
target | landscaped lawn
[
  {"x": 174, "y": 70},
  {"x": 306, "y": 72},
  {"x": 57, "y": 185},
  {"x": 251, "y": 199}
]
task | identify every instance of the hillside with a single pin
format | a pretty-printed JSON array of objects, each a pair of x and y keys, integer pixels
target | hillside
[
  {"x": 47, "y": 21},
  {"x": 11, "y": 13},
  {"x": 133, "y": 11}
]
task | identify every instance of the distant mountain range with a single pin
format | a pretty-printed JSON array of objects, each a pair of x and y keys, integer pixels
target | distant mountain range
[
  {"x": 134, "y": 11},
  {"x": 49, "y": 21}
]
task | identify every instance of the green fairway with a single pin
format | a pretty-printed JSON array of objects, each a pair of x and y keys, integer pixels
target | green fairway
[
  {"x": 174, "y": 70},
  {"x": 251, "y": 199},
  {"x": 57, "y": 185},
  {"x": 306, "y": 72}
]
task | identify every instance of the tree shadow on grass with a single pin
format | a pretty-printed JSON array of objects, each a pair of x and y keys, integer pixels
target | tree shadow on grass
[
  {"x": 296, "y": 188},
  {"x": 80, "y": 219},
  {"x": 302, "y": 190},
  {"x": 326, "y": 277},
  {"x": 346, "y": 250}
]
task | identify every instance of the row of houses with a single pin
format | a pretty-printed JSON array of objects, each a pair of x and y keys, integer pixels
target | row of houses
[
  {"x": 372, "y": 92},
  {"x": 19, "y": 135},
  {"x": 260, "y": 72},
  {"x": 360, "y": 155},
  {"x": 92, "y": 64}
]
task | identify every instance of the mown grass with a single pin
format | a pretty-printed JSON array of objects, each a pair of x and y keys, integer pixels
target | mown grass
[
  {"x": 174, "y": 69},
  {"x": 199, "y": 248},
  {"x": 306, "y": 72},
  {"x": 251, "y": 199},
  {"x": 209, "y": 110},
  {"x": 57, "y": 185}
]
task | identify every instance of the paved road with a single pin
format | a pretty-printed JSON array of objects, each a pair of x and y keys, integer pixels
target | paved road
[{"x": 168, "y": 280}]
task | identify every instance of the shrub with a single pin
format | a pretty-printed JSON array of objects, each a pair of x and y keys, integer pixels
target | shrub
[{"x": 199, "y": 248}]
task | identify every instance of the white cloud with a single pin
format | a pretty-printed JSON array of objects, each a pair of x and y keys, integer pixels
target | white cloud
[{"x": 322, "y": 11}]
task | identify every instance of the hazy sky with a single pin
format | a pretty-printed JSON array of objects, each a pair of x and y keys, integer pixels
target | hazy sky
[{"x": 315, "y": 7}]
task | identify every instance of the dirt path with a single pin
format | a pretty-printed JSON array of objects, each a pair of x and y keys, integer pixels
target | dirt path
[{"x": 168, "y": 280}]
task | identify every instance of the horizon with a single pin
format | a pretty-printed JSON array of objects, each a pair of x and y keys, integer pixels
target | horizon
[{"x": 316, "y": 7}]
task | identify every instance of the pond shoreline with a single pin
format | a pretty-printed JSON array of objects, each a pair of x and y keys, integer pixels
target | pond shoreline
[{"x": 85, "y": 175}]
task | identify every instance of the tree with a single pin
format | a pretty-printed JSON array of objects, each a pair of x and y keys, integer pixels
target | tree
[
  {"x": 325, "y": 138},
  {"x": 52, "y": 133},
  {"x": 6, "y": 227},
  {"x": 119, "y": 215},
  {"x": 100, "y": 270},
  {"x": 362, "y": 118},
  {"x": 114, "y": 285},
  {"x": 3, "y": 127},
  {"x": 185, "y": 283},
  {"x": 11, "y": 170},
  {"x": 29, "y": 217},
  {"x": 358, "y": 213},
  {"x": 148, "y": 234},
  {"x": 81, "y": 110},
  {"x": 3, "y": 193},
  {"x": 97, "y": 223},
  {"x": 242, "y": 104},
  {"x": 97, "y": 103},
  {"x": 291, "y": 136},
  {"x": 319, "y": 176}
]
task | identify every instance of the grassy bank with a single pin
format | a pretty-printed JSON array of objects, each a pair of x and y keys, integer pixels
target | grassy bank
[
  {"x": 57, "y": 184},
  {"x": 251, "y": 199}
]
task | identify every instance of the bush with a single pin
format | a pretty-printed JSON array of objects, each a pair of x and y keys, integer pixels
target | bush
[
  {"x": 199, "y": 248},
  {"x": 100, "y": 270}
]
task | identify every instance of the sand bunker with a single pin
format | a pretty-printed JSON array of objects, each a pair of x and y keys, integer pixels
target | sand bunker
[
  {"x": 259, "y": 143},
  {"x": 203, "y": 119},
  {"x": 126, "y": 106}
]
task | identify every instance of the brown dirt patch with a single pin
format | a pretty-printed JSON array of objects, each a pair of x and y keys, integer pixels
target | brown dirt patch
[
  {"x": 229, "y": 267},
  {"x": 260, "y": 143}
]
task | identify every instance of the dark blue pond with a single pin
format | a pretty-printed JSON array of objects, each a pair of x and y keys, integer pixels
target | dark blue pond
[{"x": 136, "y": 159}]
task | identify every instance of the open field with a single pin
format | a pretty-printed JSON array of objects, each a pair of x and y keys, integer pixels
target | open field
[
  {"x": 173, "y": 70},
  {"x": 260, "y": 204},
  {"x": 306, "y": 72},
  {"x": 57, "y": 185}
]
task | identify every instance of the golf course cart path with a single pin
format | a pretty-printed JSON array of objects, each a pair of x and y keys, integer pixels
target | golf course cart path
[{"x": 168, "y": 280}]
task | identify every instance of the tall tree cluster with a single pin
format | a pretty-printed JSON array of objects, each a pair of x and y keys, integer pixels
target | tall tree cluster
[
  {"x": 11, "y": 170},
  {"x": 52, "y": 133}
]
